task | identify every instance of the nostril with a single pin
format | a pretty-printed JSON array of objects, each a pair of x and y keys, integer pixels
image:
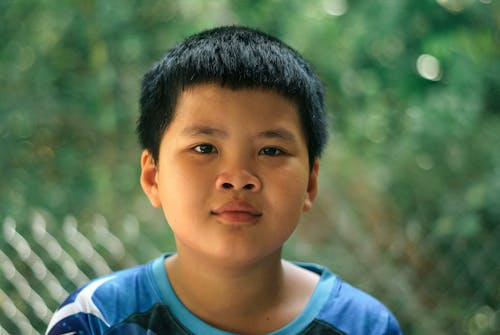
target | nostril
[
  {"x": 227, "y": 186},
  {"x": 249, "y": 186}
]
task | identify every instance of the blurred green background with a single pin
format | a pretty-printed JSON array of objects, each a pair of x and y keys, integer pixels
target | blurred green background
[{"x": 409, "y": 208}]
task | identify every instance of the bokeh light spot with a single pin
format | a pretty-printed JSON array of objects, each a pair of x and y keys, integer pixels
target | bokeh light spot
[
  {"x": 428, "y": 67},
  {"x": 335, "y": 7}
]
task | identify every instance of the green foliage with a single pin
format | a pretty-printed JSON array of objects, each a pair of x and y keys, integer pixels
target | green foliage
[{"x": 411, "y": 180}]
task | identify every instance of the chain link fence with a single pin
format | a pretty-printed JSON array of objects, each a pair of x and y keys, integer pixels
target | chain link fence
[
  {"x": 439, "y": 287},
  {"x": 41, "y": 263}
]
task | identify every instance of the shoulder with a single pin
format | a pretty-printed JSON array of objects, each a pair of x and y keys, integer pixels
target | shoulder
[
  {"x": 107, "y": 300},
  {"x": 353, "y": 311}
]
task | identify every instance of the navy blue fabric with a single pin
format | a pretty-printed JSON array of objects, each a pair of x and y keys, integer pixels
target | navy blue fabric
[{"x": 141, "y": 301}]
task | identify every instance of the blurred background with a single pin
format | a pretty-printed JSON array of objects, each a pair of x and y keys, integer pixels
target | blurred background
[{"x": 409, "y": 208}]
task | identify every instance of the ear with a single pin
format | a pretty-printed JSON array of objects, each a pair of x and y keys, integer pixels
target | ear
[
  {"x": 149, "y": 178},
  {"x": 312, "y": 186}
]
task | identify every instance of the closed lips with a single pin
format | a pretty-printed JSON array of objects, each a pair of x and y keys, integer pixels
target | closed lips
[{"x": 237, "y": 207}]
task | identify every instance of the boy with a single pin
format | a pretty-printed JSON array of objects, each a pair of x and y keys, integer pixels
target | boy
[{"x": 232, "y": 123}]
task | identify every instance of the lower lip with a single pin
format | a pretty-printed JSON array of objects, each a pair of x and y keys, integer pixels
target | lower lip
[{"x": 239, "y": 218}]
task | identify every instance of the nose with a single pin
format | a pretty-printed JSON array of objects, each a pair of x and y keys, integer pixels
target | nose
[{"x": 238, "y": 180}]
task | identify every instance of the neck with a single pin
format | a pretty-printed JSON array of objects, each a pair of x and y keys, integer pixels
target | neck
[
  {"x": 226, "y": 288},
  {"x": 244, "y": 299}
]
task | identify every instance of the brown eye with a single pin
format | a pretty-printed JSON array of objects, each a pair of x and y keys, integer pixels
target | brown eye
[
  {"x": 205, "y": 148},
  {"x": 271, "y": 151}
]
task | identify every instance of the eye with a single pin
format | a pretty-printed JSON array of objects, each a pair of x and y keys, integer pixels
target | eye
[
  {"x": 271, "y": 151},
  {"x": 205, "y": 148}
]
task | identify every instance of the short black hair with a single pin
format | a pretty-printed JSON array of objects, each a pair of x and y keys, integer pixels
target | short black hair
[{"x": 234, "y": 57}]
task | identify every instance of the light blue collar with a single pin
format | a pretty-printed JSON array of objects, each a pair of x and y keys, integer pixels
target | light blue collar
[{"x": 198, "y": 326}]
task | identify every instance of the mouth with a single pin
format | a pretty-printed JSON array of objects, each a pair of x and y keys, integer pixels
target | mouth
[{"x": 236, "y": 212}]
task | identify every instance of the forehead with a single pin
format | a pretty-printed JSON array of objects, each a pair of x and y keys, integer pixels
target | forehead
[{"x": 215, "y": 101}]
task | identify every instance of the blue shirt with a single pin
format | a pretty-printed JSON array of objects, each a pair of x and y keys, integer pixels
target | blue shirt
[{"x": 141, "y": 301}]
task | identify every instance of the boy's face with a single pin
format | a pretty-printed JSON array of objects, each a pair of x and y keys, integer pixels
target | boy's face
[{"x": 233, "y": 174}]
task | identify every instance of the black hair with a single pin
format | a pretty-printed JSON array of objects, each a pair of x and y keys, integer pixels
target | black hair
[{"x": 234, "y": 57}]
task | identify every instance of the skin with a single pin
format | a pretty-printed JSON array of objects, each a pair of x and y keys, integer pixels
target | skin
[{"x": 233, "y": 179}]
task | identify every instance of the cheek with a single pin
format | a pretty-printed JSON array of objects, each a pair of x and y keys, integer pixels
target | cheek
[
  {"x": 184, "y": 187},
  {"x": 291, "y": 192}
]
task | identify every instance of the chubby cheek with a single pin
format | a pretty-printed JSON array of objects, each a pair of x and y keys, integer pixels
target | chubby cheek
[
  {"x": 182, "y": 191},
  {"x": 291, "y": 196}
]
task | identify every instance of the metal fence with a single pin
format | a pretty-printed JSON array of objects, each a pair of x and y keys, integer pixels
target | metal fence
[
  {"x": 448, "y": 288},
  {"x": 41, "y": 263}
]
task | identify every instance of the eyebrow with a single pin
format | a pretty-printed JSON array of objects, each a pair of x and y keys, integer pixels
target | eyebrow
[
  {"x": 280, "y": 133},
  {"x": 203, "y": 130}
]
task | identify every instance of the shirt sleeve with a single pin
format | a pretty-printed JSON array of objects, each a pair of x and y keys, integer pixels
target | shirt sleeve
[
  {"x": 78, "y": 314},
  {"x": 393, "y": 326},
  {"x": 78, "y": 323}
]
